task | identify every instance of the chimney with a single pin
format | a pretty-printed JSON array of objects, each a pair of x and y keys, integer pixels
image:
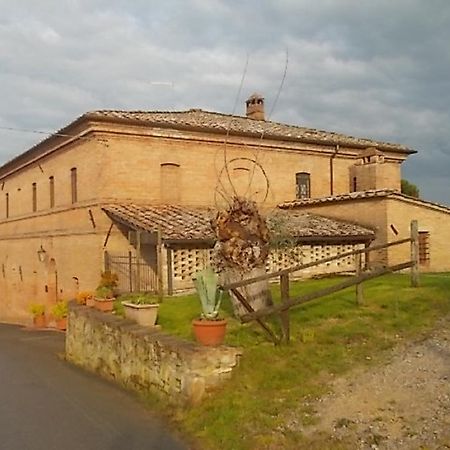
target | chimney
[{"x": 255, "y": 107}]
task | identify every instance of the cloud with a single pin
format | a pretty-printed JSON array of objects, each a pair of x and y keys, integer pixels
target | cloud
[{"x": 371, "y": 69}]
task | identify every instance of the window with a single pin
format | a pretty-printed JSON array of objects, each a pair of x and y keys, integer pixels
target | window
[
  {"x": 34, "y": 197},
  {"x": 51, "y": 181},
  {"x": 354, "y": 184},
  {"x": 303, "y": 185},
  {"x": 73, "y": 181},
  {"x": 7, "y": 205},
  {"x": 424, "y": 247}
]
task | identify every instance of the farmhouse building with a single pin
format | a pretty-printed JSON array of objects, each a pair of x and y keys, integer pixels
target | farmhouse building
[
  {"x": 389, "y": 213},
  {"x": 133, "y": 191}
]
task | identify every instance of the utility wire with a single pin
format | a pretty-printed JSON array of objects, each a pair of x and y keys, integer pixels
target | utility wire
[{"x": 47, "y": 133}]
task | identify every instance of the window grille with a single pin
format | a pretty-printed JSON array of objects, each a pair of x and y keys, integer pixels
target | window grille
[
  {"x": 303, "y": 185},
  {"x": 424, "y": 247}
]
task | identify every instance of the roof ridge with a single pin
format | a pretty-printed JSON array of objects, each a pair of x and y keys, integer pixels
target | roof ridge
[
  {"x": 421, "y": 200},
  {"x": 361, "y": 195},
  {"x": 319, "y": 133}
]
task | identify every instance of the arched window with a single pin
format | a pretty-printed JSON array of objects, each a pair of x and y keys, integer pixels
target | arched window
[{"x": 303, "y": 185}]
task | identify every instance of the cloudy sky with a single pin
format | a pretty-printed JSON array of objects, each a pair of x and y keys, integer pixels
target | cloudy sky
[{"x": 370, "y": 68}]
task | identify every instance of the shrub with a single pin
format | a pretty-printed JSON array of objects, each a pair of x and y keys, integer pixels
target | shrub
[
  {"x": 109, "y": 280},
  {"x": 83, "y": 296},
  {"x": 104, "y": 292},
  {"x": 60, "y": 310},
  {"x": 37, "y": 309},
  {"x": 139, "y": 299}
]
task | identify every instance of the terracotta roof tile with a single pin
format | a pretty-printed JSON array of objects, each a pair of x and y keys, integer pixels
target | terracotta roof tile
[
  {"x": 197, "y": 118},
  {"x": 300, "y": 224},
  {"x": 362, "y": 195},
  {"x": 176, "y": 222},
  {"x": 337, "y": 198},
  {"x": 181, "y": 223}
]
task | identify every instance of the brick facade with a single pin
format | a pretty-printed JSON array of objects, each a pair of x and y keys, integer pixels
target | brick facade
[
  {"x": 153, "y": 164},
  {"x": 389, "y": 214}
]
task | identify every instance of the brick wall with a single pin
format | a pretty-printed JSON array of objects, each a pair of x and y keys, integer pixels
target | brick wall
[
  {"x": 119, "y": 162},
  {"x": 437, "y": 223}
]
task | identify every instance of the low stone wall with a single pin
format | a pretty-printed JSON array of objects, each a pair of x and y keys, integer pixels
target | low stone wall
[{"x": 144, "y": 359}]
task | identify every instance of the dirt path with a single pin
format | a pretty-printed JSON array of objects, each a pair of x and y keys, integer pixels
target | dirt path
[{"x": 404, "y": 404}]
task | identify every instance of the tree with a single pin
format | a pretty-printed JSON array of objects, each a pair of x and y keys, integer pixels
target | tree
[{"x": 409, "y": 189}]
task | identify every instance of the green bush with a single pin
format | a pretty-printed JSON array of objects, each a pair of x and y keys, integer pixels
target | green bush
[
  {"x": 104, "y": 292},
  {"x": 139, "y": 299},
  {"x": 60, "y": 310},
  {"x": 37, "y": 309}
]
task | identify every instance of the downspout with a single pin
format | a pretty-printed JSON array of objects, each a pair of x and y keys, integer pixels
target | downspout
[{"x": 336, "y": 150}]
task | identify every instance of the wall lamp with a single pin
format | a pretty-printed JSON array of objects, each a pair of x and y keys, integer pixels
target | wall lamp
[{"x": 42, "y": 254}]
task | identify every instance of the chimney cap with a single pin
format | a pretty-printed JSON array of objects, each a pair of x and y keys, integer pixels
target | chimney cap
[
  {"x": 255, "y": 96},
  {"x": 255, "y": 107}
]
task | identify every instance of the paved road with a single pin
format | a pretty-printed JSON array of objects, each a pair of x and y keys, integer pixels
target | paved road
[{"x": 47, "y": 404}]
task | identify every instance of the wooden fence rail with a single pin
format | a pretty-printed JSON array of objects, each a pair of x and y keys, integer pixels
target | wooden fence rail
[
  {"x": 323, "y": 292},
  {"x": 299, "y": 267},
  {"x": 287, "y": 303}
]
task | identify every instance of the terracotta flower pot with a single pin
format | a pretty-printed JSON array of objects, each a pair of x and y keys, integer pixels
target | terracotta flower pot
[
  {"x": 209, "y": 332},
  {"x": 39, "y": 321},
  {"x": 90, "y": 301},
  {"x": 61, "y": 324},
  {"x": 104, "y": 304}
]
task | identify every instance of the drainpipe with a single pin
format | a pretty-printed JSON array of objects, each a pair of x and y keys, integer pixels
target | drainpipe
[{"x": 336, "y": 150}]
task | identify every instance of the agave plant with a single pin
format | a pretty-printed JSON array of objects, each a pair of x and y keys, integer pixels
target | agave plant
[{"x": 205, "y": 283}]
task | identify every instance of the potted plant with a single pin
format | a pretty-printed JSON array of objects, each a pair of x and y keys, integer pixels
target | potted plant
[
  {"x": 38, "y": 312},
  {"x": 209, "y": 329},
  {"x": 104, "y": 294},
  {"x": 60, "y": 312},
  {"x": 143, "y": 308},
  {"x": 104, "y": 299},
  {"x": 85, "y": 298}
]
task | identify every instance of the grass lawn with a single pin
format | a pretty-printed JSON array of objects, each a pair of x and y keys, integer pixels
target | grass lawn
[{"x": 329, "y": 336}]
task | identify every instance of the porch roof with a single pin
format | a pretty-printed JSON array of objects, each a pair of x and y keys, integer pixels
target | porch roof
[
  {"x": 179, "y": 223},
  {"x": 175, "y": 222}
]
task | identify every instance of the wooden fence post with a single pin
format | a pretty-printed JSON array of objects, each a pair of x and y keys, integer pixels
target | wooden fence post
[
  {"x": 284, "y": 315},
  {"x": 169, "y": 272},
  {"x": 159, "y": 265},
  {"x": 138, "y": 261},
  {"x": 415, "y": 253},
  {"x": 130, "y": 270},
  {"x": 359, "y": 286}
]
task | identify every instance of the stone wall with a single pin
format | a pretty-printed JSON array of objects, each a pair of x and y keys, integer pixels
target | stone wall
[{"x": 143, "y": 359}]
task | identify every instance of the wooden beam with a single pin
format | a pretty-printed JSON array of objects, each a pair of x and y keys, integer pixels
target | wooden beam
[
  {"x": 130, "y": 270},
  {"x": 323, "y": 292},
  {"x": 138, "y": 261},
  {"x": 359, "y": 286},
  {"x": 108, "y": 234},
  {"x": 278, "y": 273},
  {"x": 249, "y": 308},
  {"x": 169, "y": 271},
  {"x": 284, "y": 315},
  {"x": 159, "y": 266},
  {"x": 415, "y": 253}
]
